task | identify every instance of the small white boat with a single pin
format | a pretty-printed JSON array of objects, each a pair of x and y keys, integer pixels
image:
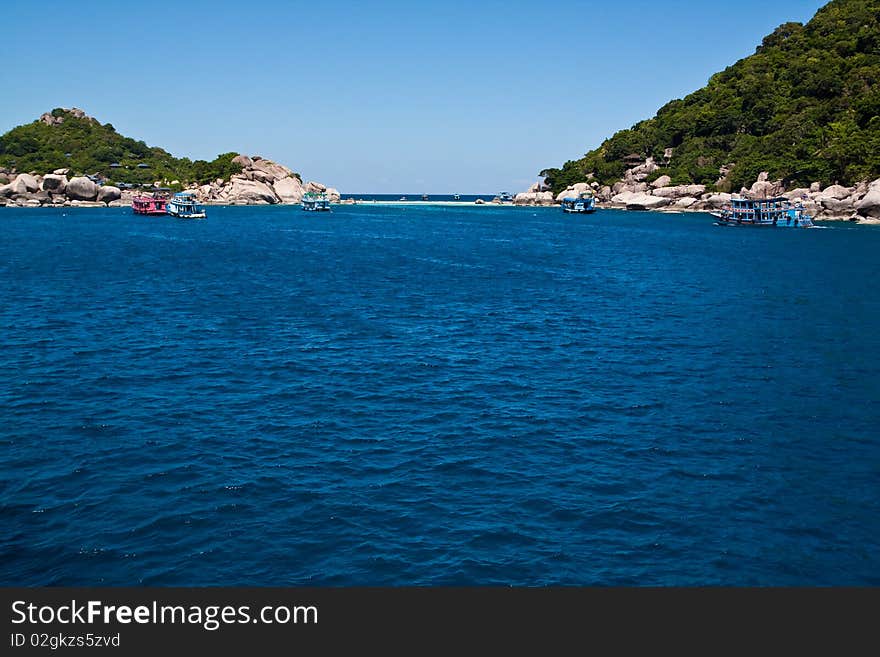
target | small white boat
[
  {"x": 183, "y": 205},
  {"x": 315, "y": 202},
  {"x": 580, "y": 204}
]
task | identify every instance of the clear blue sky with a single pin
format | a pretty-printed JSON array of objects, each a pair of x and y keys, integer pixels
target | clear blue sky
[{"x": 408, "y": 97}]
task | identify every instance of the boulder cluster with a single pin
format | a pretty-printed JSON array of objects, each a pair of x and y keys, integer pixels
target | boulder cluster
[
  {"x": 857, "y": 203},
  {"x": 261, "y": 182},
  {"x": 55, "y": 189}
]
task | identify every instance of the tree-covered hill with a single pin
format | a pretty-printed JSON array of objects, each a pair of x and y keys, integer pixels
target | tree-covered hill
[
  {"x": 68, "y": 139},
  {"x": 805, "y": 107}
]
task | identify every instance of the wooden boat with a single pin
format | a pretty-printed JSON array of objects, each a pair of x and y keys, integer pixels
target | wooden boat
[
  {"x": 777, "y": 212},
  {"x": 149, "y": 204}
]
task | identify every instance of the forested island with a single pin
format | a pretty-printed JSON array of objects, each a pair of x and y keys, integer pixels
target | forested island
[
  {"x": 67, "y": 157},
  {"x": 801, "y": 113}
]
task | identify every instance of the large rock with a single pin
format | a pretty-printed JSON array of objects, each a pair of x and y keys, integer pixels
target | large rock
[
  {"x": 109, "y": 193},
  {"x": 261, "y": 176},
  {"x": 54, "y": 183},
  {"x": 686, "y": 202},
  {"x": 837, "y": 207},
  {"x": 869, "y": 206},
  {"x": 838, "y": 192},
  {"x": 289, "y": 189},
  {"x": 680, "y": 192},
  {"x": 82, "y": 189},
  {"x": 717, "y": 201},
  {"x": 245, "y": 192},
  {"x": 765, "y": 189},
  {"x": 662, "y": 181},
  {"x": 621, "y": 198},
  {"x": 334, "y": 196},
  {"x": 642, "y": 201},
  {"x": 533, "y": 198},
  {"x": 5, "y": 191},
  {"x": 25, "y": 183},
  {"x": 243, "y": 160},
  {"x": 313, "y": 187},
  {"x": 796, "y": 194},
  {"x": 271, "y": 170}
]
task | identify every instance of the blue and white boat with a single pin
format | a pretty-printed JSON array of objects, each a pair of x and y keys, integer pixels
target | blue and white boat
[
  {"x": 505, "y": 197},
  {"x": 184, "y": 206},
  {"x": 316, "y": 202},
  {"x": 580, "y": 204},
  {"x": 777, "y": 212}
]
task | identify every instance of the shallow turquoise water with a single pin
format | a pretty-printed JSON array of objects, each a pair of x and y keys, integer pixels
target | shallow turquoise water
[{"x": 400, "y": 395}]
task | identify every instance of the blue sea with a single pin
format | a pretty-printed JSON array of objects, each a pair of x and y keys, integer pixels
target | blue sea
[{"x": 436, "y": 396}]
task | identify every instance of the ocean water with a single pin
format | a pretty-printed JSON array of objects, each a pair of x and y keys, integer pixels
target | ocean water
[
  {"x": 464, "y": 198},
  {"x": 436, "y": 396}
]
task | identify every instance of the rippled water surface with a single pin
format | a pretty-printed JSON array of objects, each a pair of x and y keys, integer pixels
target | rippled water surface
[{"x": 393, "y": 395}]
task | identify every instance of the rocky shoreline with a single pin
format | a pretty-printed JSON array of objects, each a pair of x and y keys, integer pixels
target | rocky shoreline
[
  {"x": 261, "y": 182},
  {"x": 836, "y": 202}
]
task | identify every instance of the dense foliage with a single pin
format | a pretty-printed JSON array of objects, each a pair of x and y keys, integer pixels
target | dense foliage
[
  {"x": 88, "y": 147},
  {"x": 805, "y": 107}
]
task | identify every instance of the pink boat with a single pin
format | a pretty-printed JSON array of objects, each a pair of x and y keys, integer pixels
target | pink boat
[{"x": 149, "y": 204}]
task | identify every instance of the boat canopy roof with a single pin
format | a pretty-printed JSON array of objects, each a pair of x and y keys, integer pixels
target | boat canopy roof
[{"x": 775, "y": 199}]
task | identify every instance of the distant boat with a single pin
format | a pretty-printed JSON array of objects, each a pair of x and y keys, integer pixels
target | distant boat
[
  {"x": 580, "y": 204},
  {"x": 403, "y": 198},
  {"x": 424, "y": 197},
  {"x": 316, "y": 202},
  {"x": 456, "y": 197},
  {"x": 183, "y": 205},
  {"x": 505, "y": 197},
  {"x": 769, "y": 212},
  {"x": 149, "y": 204}
]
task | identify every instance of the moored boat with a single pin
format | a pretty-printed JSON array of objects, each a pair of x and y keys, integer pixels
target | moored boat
[
  {"x": 505, "y": 197},
  {"x": 149, "y": 204},
  {"x": 183, "y": 205},
  {"x": 773, "y": 212},
  {"x": 580, "y": 204},
  {"x": 316, "y": 202}
]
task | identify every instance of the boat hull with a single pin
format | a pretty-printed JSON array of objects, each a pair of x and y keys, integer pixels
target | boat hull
[
  {"x": 790, "y": 223},
  {"x": 187, "y": 215}
]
